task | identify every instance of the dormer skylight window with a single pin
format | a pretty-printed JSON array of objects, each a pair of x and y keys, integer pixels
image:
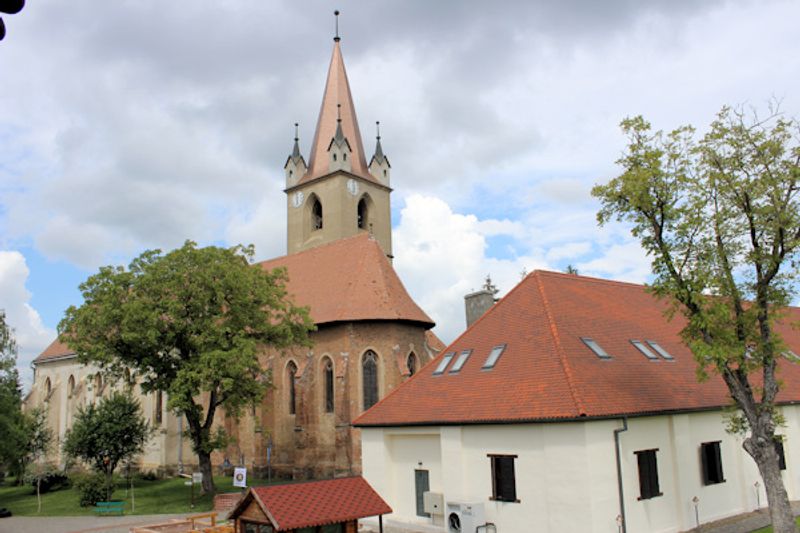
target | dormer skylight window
[
  {"x": 495, "y": 354},
  {"x": 661, "y": 351},
  {"x": 443, "y": 364},
  {"x": 791, "y": 356},
  {"x": 462, "y": 358},
  {"x": 596, "y": 348},
  {"x": 645, "y": 350}
]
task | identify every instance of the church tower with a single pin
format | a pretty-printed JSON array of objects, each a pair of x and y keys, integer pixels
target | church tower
[{"x": 337, "y": 194}]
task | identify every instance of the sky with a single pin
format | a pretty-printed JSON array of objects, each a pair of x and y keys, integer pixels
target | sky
[{"x": 127, "y": 126}]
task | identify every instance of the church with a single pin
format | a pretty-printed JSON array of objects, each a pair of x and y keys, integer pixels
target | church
[{"x": 371, "y": 336}]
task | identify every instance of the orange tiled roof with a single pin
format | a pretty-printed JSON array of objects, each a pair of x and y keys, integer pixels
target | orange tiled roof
[
  {"x": 546, "y": 372},
  {"x": 317, "y": 503},
  {"x": 348, "y": 279},
  {"x": 56, "y": 350}
]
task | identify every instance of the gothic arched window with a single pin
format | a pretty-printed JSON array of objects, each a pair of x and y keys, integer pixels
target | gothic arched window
[
  {"x": 411, "y": 363},
  {"x": 70, "y": 386},
  {"x": 316, "y": 215},
  {"x": 291, "y": 375},
  {"x": 327, "y": 372},
  {"x": 159, "y": 408},
  {"x": 362, "y": 214},
  {"x": 48, "y": 387},
  {"x": 369, "y": 371}
]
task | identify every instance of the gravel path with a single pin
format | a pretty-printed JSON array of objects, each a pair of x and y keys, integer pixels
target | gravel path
[{"x": 79, "y": 524}]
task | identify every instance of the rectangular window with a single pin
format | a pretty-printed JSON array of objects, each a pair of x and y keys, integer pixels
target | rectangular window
[
  {"x": 781, "y": 453},
  {"x": 661, "y": 351},
  {"x": 504, "y": 485},
  {"x": 462, "y": 358},
  {"x": 645, "y": 350},
  {"x": 596, "y": 348},
  {"x": 443, "y": 364},
  {"x": 497, "y": 351},
  {"x": 421, "y": 486},
  {"x": 711, "y": 461},
  {"x": 648, "y": 474}
]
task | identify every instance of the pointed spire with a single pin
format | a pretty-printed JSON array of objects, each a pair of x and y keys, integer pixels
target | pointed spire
[
  {"x": 296, "y": 150},
  {"x": 378, "y": 148},
  {"x": 337, "y": 111}
]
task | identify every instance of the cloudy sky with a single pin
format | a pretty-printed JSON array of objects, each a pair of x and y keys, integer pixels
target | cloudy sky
[{"x": 134, "y": 125}]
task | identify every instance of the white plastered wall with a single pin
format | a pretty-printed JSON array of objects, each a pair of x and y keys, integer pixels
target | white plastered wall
[{"x": 566, "y": 477}]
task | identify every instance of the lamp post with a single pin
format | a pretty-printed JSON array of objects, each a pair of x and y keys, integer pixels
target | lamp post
[
  {"x": 619, "y": 523},
  {"x": 758, "y": 495},
  {"x": 696, "y": 502}
]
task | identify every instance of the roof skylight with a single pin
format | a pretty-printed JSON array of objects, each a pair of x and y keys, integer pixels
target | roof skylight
[
  {"x": 462, "y": 358},
  {"x": 443, "y": 364},
  {"x": 596, "y": 348},
  {"x": 645, "y": 350},
  {"x": 661, "y": 351},
  {"x": 791, "y": 356},
  {"x": 495, "y": 354}
]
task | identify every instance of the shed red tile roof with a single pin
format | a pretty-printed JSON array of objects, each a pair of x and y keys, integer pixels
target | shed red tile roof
[
  {"x": 547, "y": 373},
  {"x": 347, "y": 280},
  {"x": 317, "y": 503},
  {"x": 56, "y": 350}
]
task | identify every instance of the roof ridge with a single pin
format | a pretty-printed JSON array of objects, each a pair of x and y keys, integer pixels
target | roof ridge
[
  {"x": 590, "y": 279},
  {"x": 559, "y": 350},
  {"x": 314, "y": 249}
]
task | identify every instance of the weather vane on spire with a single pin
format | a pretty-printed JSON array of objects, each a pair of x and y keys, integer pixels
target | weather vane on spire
[
  {"x": 336, "y": 14},
  {"x": 378, "y": 129},
  {"x": 338, "y": 112},
  {"x": 296, "y": 131}
]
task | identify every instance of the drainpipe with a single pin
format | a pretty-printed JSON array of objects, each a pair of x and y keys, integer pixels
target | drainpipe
[{"x": 619, "y": 473}]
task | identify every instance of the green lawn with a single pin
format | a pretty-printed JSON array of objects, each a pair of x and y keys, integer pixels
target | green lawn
[{"x": 165, "y": 496}]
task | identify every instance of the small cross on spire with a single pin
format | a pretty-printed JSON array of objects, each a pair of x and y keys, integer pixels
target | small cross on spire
[
  {"x": 336, "y": 14},
  {"x": 378, "y": 129},
  {"x": 296, "y": 131}
]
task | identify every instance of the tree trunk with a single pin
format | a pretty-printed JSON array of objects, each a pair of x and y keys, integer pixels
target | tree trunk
[
  {"x": 762, "y": 450},
  {"x": 208, "y": 474}
]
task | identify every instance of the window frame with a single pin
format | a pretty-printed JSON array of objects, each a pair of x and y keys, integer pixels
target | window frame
[
  {"x": 660, "y": 350},
  {"x": 328, "y": 382},
  {"x": 444, "y": 363},
  {"x": 291, "y": 378},
  {"x": 461, "y": 360},
  {"x": 647, "y": 464},
  {"x": 491, "y": 362},
  {"x": 497, "y": 480},
  {"x": 645, "y": 350},
  {"x": 781, "y": 451},
  {"x": 371, "y": 355},
  {"x": 706, "y": 467},
  {"x": 596, "y": 349}
]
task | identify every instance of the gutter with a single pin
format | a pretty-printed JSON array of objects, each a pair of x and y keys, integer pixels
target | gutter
[{"x": 624, "y": 525}]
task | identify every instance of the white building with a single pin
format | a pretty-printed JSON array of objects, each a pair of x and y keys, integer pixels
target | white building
[{"x": 569, "y": 405}]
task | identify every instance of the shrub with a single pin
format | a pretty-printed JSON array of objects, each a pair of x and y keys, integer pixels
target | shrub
[
  {"x": 147, "y": 475},
  {"x": 92, "y": 488},
  {"x": 49, "y": 481}
]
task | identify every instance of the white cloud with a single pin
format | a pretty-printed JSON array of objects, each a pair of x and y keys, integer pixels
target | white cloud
[
  {"x": 31, "y": 335},
  {"x": 623, "y": 262},
  {"x": 441, "y": 256}
]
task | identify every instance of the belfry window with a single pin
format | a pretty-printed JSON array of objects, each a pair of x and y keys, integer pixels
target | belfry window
[
  {"x": 316, "y": 215},
  {"x": 291, "y": 375},
  {"x": 369, "y": 372},
  {"x": 328, "y": 380},
  {"x": 362, "y": 214},
  {"x": 411, "y": 363}
]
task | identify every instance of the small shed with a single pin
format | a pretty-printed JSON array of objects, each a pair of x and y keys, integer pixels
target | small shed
[{"x": 329, "y": 506}]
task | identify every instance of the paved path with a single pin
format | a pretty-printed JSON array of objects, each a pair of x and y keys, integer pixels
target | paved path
[{"x": 79, "y": 524}]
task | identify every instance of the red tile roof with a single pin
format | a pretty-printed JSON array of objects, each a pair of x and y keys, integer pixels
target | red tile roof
[
  {"x": 349, "y": 279},
  {"x": 546, "y": 372},
  {"x": 56, "y": 350},
  {"x": 317, "y": 503}
]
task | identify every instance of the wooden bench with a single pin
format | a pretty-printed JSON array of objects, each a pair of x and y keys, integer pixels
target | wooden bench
[{"x": 104, "y": 508}]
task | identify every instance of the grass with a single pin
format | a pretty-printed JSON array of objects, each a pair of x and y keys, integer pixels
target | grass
[
  {"x": 163, "y": 496},
  {"x": 768, "y": 529}
]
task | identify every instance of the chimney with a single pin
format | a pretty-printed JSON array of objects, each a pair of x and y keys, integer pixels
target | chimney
[{"x": 478, "y": 302}]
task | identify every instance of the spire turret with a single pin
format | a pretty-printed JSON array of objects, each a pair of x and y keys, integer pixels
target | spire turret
[
  {"x": 295, "y": 166},
  {"x": 379, "y": 165}
]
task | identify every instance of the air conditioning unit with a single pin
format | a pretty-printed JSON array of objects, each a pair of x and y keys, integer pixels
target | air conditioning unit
[
  {"x": 464, "y": 517},
  {"x": 433, "y": 502}
]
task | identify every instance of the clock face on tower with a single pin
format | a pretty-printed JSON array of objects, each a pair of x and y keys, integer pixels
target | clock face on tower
[
  {"x": 352, "y": 186},
  {"x": 297, "y": 199}
]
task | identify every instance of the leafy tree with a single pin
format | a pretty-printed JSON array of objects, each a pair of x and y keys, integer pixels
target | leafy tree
[
  {"x": 36, "y": 439},
  {"x": 11, "y": 419},
  {"x": 191, "y": 323},
  {"x": 720, "y": 217},
  {"x": 106, "y": 433}
]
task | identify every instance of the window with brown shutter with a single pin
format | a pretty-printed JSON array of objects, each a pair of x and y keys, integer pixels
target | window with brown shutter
[{"x": 648, "y": 474}]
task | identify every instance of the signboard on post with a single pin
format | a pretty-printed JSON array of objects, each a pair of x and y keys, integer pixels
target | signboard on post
[
  {"x": 197, "y": 477},
  {"x": 240, "y": 477}
]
